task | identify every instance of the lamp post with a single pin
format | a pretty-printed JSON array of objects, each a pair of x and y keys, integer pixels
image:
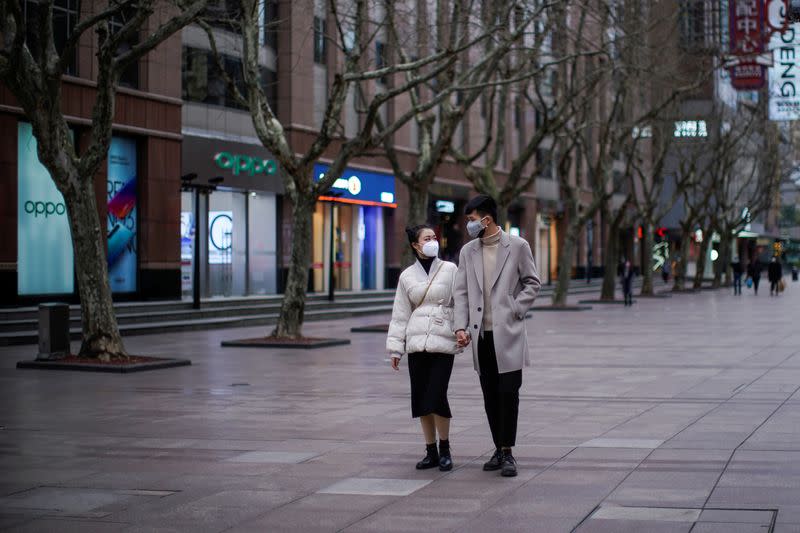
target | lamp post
[{"x": 332, "y": 194}]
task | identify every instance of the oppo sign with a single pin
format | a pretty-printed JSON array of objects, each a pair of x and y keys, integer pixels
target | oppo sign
[{"x": 244, "y": 164}]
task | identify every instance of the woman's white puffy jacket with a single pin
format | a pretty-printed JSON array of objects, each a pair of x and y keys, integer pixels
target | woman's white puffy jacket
[{"x": 426, "y": 326}]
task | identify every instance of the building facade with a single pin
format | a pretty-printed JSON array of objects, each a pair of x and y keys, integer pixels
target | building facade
[{"x": 137, "y": 191}]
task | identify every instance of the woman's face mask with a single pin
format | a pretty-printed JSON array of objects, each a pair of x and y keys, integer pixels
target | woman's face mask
[
  {"x": 475, "y": 227},
  {"x": 430, "y": 249}
]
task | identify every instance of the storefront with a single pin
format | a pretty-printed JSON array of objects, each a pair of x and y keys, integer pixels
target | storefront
[
  {"x": 45, "y": 265},
  {"x": 238, "y": 239},
  {"x": 349, "y": 230}
]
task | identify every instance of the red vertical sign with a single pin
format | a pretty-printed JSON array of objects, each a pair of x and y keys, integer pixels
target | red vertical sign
[{"x": 747, "y": 41}]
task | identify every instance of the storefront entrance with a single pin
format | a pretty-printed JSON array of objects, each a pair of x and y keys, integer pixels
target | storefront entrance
[{"x": 348, "y": 231}]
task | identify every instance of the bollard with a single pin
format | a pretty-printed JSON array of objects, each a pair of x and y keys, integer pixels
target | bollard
[{"x": 53, "y": 331}]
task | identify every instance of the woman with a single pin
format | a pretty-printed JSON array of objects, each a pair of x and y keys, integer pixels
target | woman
[{"x": 422, "y": 327}]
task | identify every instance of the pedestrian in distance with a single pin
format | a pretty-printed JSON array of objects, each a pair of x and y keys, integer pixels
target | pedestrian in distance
[
  {"x": 754, "y": 272},
  {"x": 666, "y": 271},
  {"x": 496, "y": 284},
  {"x": 775, "y": 275},
  {"x": 422, "y": 327},
  {"x": 738, "y": 270},
  {"x": 626, "y": 274}
]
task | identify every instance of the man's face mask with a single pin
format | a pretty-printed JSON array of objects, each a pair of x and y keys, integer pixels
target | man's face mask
[{"x": 475, "y": 228}]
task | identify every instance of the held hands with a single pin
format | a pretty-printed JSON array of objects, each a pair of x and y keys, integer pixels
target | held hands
[{"x": 462, "y": 338}]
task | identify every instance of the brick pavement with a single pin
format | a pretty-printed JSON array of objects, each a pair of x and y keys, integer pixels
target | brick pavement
[{"x": 675, "y": 415}]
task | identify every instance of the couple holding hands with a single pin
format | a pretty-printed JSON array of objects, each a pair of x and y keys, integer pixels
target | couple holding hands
[{"x": 440, "y": 309}]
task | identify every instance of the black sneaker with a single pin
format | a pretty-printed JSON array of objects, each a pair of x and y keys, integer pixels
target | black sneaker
[
  {"x": 431, "y": 459},
  {"x": 495, "y": 462},
  {"x": 509, "y": 465}
]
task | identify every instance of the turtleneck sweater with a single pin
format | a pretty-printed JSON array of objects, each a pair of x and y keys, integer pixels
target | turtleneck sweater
[
  {"x": 426, "y": 263},
  {"x": 489, "y": 247}
]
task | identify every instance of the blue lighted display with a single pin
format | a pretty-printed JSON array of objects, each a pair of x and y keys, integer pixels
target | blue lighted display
[{"x": 359, "y": 187}]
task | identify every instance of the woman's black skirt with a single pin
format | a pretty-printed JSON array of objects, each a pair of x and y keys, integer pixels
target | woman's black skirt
[{"x": 430, "y": 375}]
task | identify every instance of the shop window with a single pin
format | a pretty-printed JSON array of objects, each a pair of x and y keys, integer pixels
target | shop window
[
  {"x": 380, "y": 58},
  {"x": 271, "y": 24},
  {"x": 130, "y": 76},
  {"x": 65, "y": 15},
  {"x": 204, "y": 82},
  {"x": 269, "y": 81},
  {"x": 544, "y": 163},
  {"x": 320, "y": 44},
  {"x": 224, "y": 14}
]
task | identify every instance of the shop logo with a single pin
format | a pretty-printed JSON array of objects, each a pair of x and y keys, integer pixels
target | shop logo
[
  {"x": 44, "y": 209},
  {"x": 243, "y": 164},
  {"x": 351, "y": 184}
]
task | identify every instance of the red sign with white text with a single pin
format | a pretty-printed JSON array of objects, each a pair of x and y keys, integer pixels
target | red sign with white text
[{"x": 747, "y": 41}]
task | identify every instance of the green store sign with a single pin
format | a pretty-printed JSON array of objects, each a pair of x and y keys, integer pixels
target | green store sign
[{"x": 244, "y": 164}]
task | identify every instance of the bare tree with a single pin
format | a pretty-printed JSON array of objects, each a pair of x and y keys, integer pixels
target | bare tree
[
  {"x": 745, "y": 177},
  {"x": 32, "y": 71},
  {"x": 357, "y": 71},
  {"x": 466, "y": 81},
  {"x": 520, "y": 84}
]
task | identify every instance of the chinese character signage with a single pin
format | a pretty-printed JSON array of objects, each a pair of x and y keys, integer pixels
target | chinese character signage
[
  {"x": 747, "y": 42},
  {"x": 44, "y": 241},
  {"x": 122, "y": 223},
  {"x": 690, "y": 129},
  {"x": 784, "y": 100}
]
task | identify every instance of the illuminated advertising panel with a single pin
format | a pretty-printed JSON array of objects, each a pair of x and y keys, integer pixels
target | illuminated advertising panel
[
  {"x": 122, "y": 221},
  {"x": 44, "y": 242}
]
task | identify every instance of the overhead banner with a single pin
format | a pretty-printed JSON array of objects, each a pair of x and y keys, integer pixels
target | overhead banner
[
  {"x": 784, "y": 98},
  {"x": 45, "y": 261},
  {"x": 746, "y": 19},
  {"x": 122, "y": 222}
]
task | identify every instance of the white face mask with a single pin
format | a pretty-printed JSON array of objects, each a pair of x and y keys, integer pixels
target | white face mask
[{"x": 431, "y": 248}]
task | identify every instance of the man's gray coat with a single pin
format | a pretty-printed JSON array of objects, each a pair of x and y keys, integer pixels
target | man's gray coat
[{"x": 516, "y": 284}]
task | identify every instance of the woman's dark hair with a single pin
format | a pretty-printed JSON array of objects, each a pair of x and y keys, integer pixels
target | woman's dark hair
[
  {"x": 414, "y": 231},
  {"x": 484, "y": 205}
]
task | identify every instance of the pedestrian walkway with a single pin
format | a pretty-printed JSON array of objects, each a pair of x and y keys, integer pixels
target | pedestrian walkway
[{"x": 675, "y": 415}]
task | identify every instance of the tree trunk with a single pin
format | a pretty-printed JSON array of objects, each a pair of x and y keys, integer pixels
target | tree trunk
[
  {"x": 565, "y": 257},
  {"x": 101, "y": 336},
  {"x": 701, "y": 260},
  {"x": 647, "y": 259},
  {"x": 611, "y": 260},
  {"x": 681, "y": 265},
  {"x": 417, "y": 213},
  {"x": 290, "y": 322}
]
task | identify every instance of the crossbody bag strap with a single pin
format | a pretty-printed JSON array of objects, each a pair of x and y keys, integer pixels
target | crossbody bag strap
[{"x": 429, "y": 285}]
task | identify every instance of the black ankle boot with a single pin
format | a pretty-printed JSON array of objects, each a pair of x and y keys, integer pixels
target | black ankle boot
[
  {"x": 431, "y": 459},
  {"x": 445, "y": 460}
]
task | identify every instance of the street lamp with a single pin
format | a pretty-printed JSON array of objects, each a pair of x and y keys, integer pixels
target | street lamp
[{"x": 332, "y": 194}]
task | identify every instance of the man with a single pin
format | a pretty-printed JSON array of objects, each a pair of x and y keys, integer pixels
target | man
[
  {"x": 775, "y": 274},
  {"x": 495, "y": 285},
  {"x": 738, "y": 270},
  {"x": 626, "y": 274}
]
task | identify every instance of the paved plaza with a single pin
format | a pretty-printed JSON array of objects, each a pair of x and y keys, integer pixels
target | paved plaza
[{"x": 676, "y": 415}]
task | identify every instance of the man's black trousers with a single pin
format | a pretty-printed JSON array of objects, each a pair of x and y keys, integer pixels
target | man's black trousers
[{"x": 500, "y": 394}]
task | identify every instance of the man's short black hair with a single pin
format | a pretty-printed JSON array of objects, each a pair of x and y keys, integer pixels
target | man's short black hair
[{"x": 484, "y": 205}]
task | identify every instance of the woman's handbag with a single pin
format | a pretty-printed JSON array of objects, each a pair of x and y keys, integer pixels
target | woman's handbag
[
  {"x": 781, "y": 285},
  {"x": 749, "y": 283}
]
